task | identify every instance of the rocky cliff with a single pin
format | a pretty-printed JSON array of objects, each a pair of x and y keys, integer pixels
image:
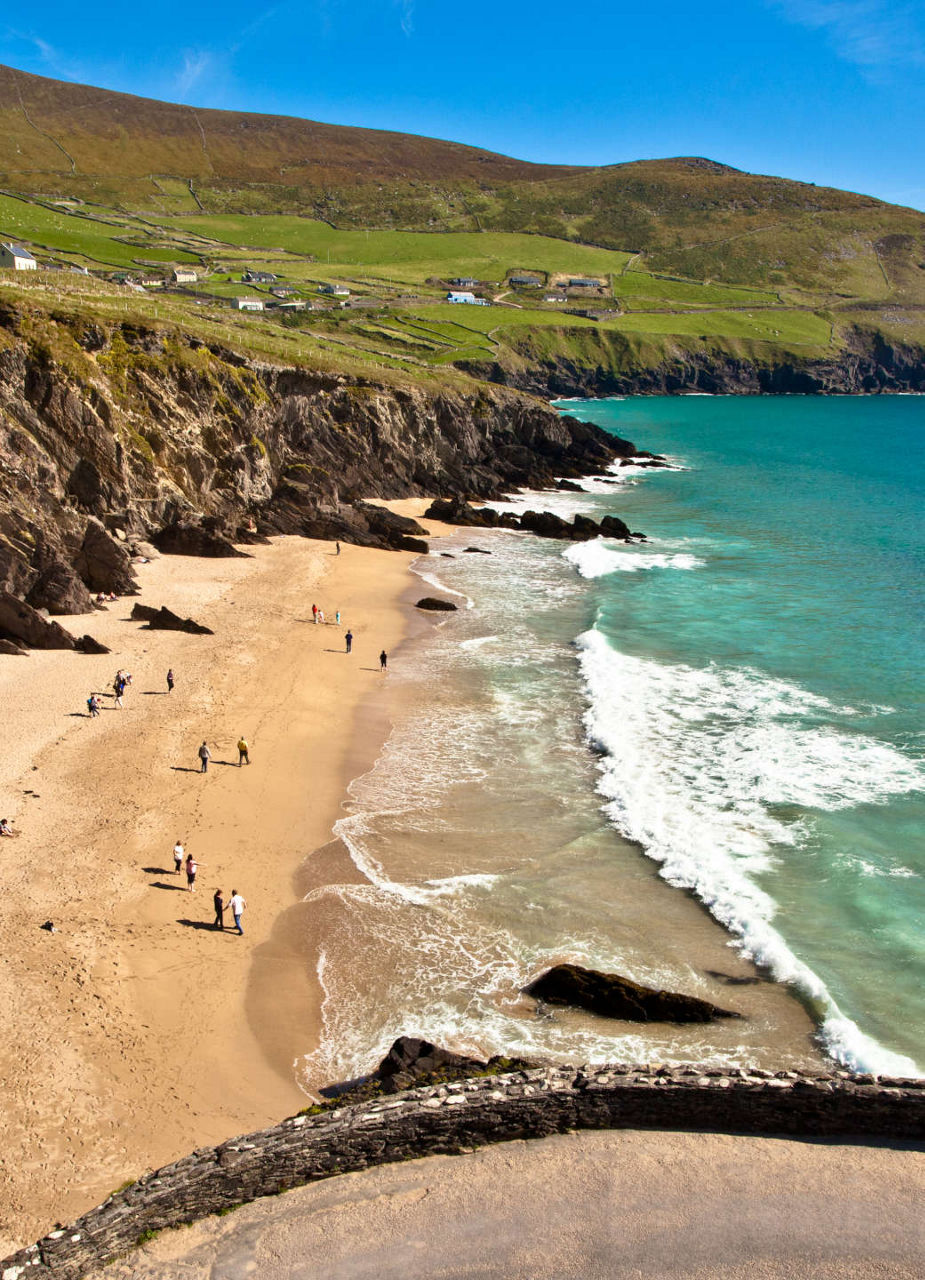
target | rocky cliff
[
  {"x": 111, "y": 438},
  {"x": 867, "y": 362}
]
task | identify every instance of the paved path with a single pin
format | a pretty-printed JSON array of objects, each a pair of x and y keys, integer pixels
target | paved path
[{"x": 590, "y": 1206}]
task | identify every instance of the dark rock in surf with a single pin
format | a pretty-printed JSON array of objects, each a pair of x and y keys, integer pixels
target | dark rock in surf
[
  {"x": 412, "y": 1062},
  {"x": 432, "y": 603},
  {"x": 477, "y": 551},
  {"x": 612, "y": 996}
]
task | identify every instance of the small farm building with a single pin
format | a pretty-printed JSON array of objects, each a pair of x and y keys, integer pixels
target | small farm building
[
  {"x": 183, "y": 275},
  {"x": 525, "y": 282},
  {"x": 247, "y": 304},
  {"x": 464, "y": 282},
  {"x": 580, "y": 283},
  {"x": 11, "y": 255},
  {"x": 464, "y": 297},
  {"x": 258, "y": 277},
  {"x": 335, "y": 290}
]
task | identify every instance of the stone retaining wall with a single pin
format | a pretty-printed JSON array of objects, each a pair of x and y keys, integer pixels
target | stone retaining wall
[{"x": 449, "y": 1118}]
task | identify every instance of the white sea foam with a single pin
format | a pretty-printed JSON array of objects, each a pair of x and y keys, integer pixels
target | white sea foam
[
  {"x": 432, "y": 580},
  {"x": 598, "y": 558},
  {"x": 694, "y": 763}
]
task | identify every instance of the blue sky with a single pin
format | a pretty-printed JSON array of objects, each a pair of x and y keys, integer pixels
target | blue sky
[{"x": 828, "y": 91}]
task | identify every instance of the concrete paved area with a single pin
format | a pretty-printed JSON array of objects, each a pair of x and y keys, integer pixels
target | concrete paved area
[{"x": 589, "y": 1206}]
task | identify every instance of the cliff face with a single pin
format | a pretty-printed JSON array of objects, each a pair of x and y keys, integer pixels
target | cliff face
[
  {"x": 868, "y": 363},
  {"x": 137, "y": 431}
]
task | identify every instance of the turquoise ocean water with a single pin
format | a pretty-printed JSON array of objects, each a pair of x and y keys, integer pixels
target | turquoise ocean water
[{"x": 734, "y": 706}]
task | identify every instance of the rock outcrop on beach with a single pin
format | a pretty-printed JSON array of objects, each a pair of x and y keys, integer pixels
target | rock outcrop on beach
[
  {"x": 114, "y": 440},
  {"x": 612, "y": 996},
  {"x": 544, "y": 524},
  {"x": 25, "y": 627},
  {"x": 164, "y": 619}
]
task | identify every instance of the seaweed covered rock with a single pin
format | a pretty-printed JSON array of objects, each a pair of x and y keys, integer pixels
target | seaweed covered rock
[
  {"x": 411, "y": 1061},
  {"x": 612, "y": 996}
]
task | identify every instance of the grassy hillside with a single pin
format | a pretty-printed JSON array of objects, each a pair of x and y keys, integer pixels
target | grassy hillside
[{"x": 688, "y": 255}]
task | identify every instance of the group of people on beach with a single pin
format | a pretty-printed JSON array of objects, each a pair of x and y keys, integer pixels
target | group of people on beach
[{"x": 183, "y": 861}]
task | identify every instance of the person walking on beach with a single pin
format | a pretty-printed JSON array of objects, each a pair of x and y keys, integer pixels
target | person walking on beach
[
  {"x": 118, "y": 688},
  {"x": 337, "y": 618},
  {"x": 238, "y": 906},
  {"x": 205, "y": 755},
  {"x": 315, "y": 614},
  {"x": 337, "y": 548},
  {"x": 243, "y": 757},
  {"x": 93, "y": 705},
  {"x": 191, "y": 868},
  {"x": 170, "y": 680},
  {"x": 383, "y": 660},
  {"x": 178, "y": 856},
  {"x": 348, "y": 639},
  {"x": 219, "y": 903}
]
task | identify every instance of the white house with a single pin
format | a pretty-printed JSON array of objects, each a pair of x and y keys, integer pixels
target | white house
[
  {"x": 463, "y": 296},
  {"x": 247, "y": 304},
  {"x": 17, "y": 258},
  {"x": 335, "y": 290},
  {"x": 183, "y": 275}
]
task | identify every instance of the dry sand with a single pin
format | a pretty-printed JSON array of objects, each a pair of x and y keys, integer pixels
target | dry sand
[
  {"x": 587, "y": 1206},
  {"x": 130, "y": 1037}
]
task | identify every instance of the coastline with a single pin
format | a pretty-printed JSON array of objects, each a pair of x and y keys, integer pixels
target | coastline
[{"x": 132, "y": 1031}]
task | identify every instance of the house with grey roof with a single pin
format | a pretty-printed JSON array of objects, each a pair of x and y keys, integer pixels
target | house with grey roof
[{"x": 15, "y": 258}]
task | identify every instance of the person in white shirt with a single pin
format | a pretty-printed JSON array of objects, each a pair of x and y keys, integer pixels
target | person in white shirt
[{"x": 238, "y": 906}]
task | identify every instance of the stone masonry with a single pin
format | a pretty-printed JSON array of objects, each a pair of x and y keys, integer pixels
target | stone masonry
[{"x": 455, "y": 1117}]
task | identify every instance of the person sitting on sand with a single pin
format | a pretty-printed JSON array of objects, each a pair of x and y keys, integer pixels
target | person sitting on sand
[{"x": 5, "y": 827}]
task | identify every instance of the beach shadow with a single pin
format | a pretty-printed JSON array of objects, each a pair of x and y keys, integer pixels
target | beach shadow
[
  {"x": 201, "y": 924},
  {"x": 81, "y": 715},
  {"x": 344, "y": 651},
  {"x": 155, "y": 693},
  {"x": 374, "y": 669},
  {"x": 182, "y": 768},
  {"x": 159, "y": 884},
  {"x": 157, "y": 871},
  {"x": 731, "y": 981},
  {"x": 231, "y": 764}
]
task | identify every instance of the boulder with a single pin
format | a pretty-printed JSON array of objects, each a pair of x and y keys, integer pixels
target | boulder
[
  {"x": 20, "y": 622},
  {"x": 411, "y": 1061},
  {"x": 431, "y": 602},
  {"x": 13, "y": 649},
  {"x": 164, "y": 619},
  {"x": 612, "y": 996},
  {"x": 59, "y": 590},
  {"x": 569, "y": 486},
  {"x": 182, "y": 539},
  {"x": 86, "y": 644},
  {"x": 476, "y": 551},
  {"x": 104, "y": 563},
  {"x": 614, "y": 527}
]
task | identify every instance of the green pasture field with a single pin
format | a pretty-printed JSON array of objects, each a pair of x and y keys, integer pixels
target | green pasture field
[
  {"x": 639, "y": 287},
  {"x": 787, "y": 327},
  {"x": 483, "y": 255},
  {"x": 91, "y": 239}
]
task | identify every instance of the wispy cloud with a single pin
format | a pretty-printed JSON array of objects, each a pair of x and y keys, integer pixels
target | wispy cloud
[
  {"x": 406, "y": 16},
  {"x": 873, "y": 34},
  {"x": 196, "y": 64}
]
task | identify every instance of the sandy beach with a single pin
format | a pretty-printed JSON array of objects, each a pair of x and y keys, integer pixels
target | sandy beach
[{"x": 136, "y": 1031}]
